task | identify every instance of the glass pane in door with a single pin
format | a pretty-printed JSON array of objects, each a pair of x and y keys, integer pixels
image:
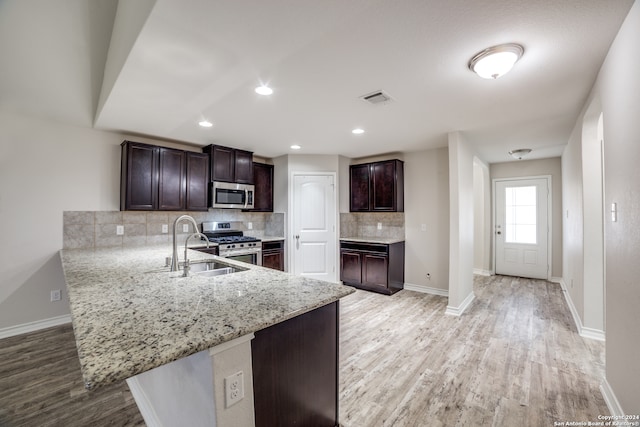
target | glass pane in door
[{"x": 520, "y": 209}]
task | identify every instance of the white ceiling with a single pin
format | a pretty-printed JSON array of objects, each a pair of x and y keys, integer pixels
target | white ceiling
[{"x": 167, "y": 64}]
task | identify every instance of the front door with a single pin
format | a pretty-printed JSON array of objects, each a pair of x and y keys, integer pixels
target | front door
[
  {"x": 521, "y": 227},
  {"x": 314, "y": 231}
]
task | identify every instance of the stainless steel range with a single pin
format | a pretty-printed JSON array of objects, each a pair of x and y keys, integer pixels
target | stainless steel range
[{"x": 233, "y": 244}]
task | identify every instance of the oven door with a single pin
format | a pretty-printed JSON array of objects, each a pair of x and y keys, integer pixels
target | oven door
[{"x": 250, "y": 257}]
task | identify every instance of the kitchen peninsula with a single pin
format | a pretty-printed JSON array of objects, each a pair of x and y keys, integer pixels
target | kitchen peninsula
[{"x": 134, "y": 319}]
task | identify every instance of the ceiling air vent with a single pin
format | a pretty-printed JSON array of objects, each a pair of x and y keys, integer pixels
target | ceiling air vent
[{"x": 377, "y": 98}]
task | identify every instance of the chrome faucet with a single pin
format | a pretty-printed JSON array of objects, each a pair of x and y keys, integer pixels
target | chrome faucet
[
  {"x": 186, "y": 266},
  {"x": 174, "y": 255}
]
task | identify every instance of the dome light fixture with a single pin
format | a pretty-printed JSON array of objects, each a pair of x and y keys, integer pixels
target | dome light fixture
[
  {"x": 496, "y": 61},
  {"x": 264, "y": 90},
  {"x": 205, "y": 123},
  {"x": 520, "y": 153},
  {"x": 295, "y": 147},
  {"x": 357, "y": 131}
]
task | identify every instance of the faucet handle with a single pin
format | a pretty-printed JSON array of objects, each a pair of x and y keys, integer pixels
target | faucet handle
[{"x": 185, "y": 268}]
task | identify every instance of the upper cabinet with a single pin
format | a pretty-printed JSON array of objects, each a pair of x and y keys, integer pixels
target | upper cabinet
[
  {"x": 377, "y": 187},
  {"x": 230, "y": 164},
  {"x": 263, "y": 179},
  {"x": 160, "y": 178}
]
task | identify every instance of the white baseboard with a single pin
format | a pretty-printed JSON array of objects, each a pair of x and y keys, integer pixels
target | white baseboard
[
  {"x": 610, "y": 399},
  {"x": 34, "y": 326},
  {"x": 583, "y": 331},
  {"x": 426, "y": 289},
  {"x": 144, "y": 405},
  {"x": 457, "y": 311},
  {"x": 554, "y": 279},
  {"x": 481, "y": 272}
]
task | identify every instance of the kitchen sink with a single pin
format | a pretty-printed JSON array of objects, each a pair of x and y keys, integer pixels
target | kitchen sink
[{"x": 212, "y": 268}]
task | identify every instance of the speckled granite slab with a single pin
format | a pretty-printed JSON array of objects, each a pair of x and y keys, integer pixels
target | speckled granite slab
[
  {"x": 131, "y": 314},
  {"x": 383, "y": 240}
]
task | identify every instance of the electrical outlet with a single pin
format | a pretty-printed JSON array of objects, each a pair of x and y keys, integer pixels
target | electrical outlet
[
  {"x": 165, "y": 228},
  {"x": 185, "y": 228},
  {"x": 379, "y": 226},
  {"x": 428, "y": 276},
  {"x": 55, "y": 295},
  {"x": 119, "y": 230},
  {"x": 234, "y": 388},
  {"x": 423, "y": 227},
  {"x": 249, "y": 226}
]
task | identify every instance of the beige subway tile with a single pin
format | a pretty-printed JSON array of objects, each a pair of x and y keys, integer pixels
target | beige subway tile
[
  {"x": 108, "y": 217},
  {"x": 78, "y": 217},
  {"x": 77, "y": 236},
  {"x": 134, "y": 217}
]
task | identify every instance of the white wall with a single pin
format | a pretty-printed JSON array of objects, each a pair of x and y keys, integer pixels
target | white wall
[
  {"x": 426, "y": 202},
  {"x": 461, "y": 243},
  {"x": 481, "y": 218},
  {"x": 618, "y": 86}
]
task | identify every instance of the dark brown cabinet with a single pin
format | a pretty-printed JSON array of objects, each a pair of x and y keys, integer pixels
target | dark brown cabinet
[
  {"x": 377, "y": 187},
  {"x": 295, "y": 370},
  {"x": 197, "y": 181},
  {"x": 230, "y": 164},
  {"x": 160, "y": 178},
  {"x": 263, "y": 181},
  {"x": 273, "y": 254},
  {"x": 372, "y": 266}
]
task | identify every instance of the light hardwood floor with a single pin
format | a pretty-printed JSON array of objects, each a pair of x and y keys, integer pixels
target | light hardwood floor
[{"x": 513, "y": 359}]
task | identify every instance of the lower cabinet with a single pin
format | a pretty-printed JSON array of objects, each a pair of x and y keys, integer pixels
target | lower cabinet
[
  {"x": 273, "y": 254},
  {"x": 295, "y": 370},
  {"x": 372, "y": 266}
]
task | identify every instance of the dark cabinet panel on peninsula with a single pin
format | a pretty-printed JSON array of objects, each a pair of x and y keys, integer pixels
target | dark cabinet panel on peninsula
[
  {"x": 230, "y": 164},
  {"x": 295, "y": 370},
  {"x": 377, "y": 187},
  {"x": 372, "y": 266},
  {"x": 161, "y": 178}
]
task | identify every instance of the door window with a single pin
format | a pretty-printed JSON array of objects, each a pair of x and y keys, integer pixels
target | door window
[{"x": 520, "y": 210}]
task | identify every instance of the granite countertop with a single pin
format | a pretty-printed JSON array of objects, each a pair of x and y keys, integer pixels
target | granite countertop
[
  {"x": 131, "y": 314},
  {"x": 383, "y": 240},
  {"x": 271, "y": 238}
]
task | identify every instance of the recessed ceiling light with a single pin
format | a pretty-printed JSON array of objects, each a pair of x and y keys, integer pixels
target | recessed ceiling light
[
  {"x": 295, "y": 147},
  {"x": 357, "y": 131},
  {"x": 264, "y": 90},
  {"x": 205, "y": 124},
  {"x": 496, "y": 61}
]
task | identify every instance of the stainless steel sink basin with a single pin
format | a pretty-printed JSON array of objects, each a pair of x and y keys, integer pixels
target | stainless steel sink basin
[{"x": 211, "y": 268}]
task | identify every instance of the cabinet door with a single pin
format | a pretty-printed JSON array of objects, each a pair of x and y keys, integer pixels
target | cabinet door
[
  {"x": 171, "y": 179},
  {"x": 263, "y": 181},
  {"x": 197, "y": 181},
  {"x": 139, "y": 181},
  {"x": 273, "y": 259},
  {"x": 383, "y": 186},
  {"x": 359, "y": 182},
  {"x": 375, "y": 270},
  {"x": 243, "y": 167},
  {"x": 350, "y": 267},
  {"x": 222, "y": 163}
]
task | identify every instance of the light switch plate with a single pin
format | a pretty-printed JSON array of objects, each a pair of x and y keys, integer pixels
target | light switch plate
[
  {"x": 379, "y": 226},
  {"x": 119, "y": 230},
  {"x": 185, "y": 228},
  {"x": 165, "y": 228}
]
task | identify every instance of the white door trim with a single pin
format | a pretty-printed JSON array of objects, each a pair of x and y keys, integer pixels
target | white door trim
[
  {"x": 549, "y": 216},
  {"x": 291, "y": 238}
]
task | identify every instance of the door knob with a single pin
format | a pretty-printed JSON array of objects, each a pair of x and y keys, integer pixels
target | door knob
[
  {"x": 498, "y": 232},
  {"x": 297, "y": 236}
]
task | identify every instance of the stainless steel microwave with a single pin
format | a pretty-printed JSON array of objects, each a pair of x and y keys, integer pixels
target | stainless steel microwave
[{"x": 230, "y": 195}]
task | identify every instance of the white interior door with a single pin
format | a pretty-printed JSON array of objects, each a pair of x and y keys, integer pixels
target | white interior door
[
  {"x": 522, "y": 227},
  {"x": 314, "y": 231}
]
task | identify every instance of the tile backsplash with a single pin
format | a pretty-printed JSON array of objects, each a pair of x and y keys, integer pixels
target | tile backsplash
[
  {"x": 97, "y": 229},
  {"x": 365, "y": 224}
]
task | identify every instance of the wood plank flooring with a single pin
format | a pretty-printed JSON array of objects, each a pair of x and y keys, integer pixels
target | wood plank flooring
[{"x": 514, "y": 358}]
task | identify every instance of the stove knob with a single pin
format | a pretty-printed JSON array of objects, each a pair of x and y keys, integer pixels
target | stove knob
[
  {"x": 241, "y": 245},
  {"x": 233, "y": 246}
]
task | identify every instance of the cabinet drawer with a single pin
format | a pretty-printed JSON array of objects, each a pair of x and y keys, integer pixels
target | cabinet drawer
[
  {"x": 365, "y": 247},
  {"x": 273, "y": 246}
]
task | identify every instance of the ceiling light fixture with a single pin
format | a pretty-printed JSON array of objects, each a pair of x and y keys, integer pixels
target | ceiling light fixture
[
  {"x": 295, "y": 147},
  {"x": 264, "y": 90},
  {"x": 357, "y": 131},
  {"x": 205, "y": 123},
  {"x": 520, "y": 153},
  {"x": 496, "y": 61}
]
